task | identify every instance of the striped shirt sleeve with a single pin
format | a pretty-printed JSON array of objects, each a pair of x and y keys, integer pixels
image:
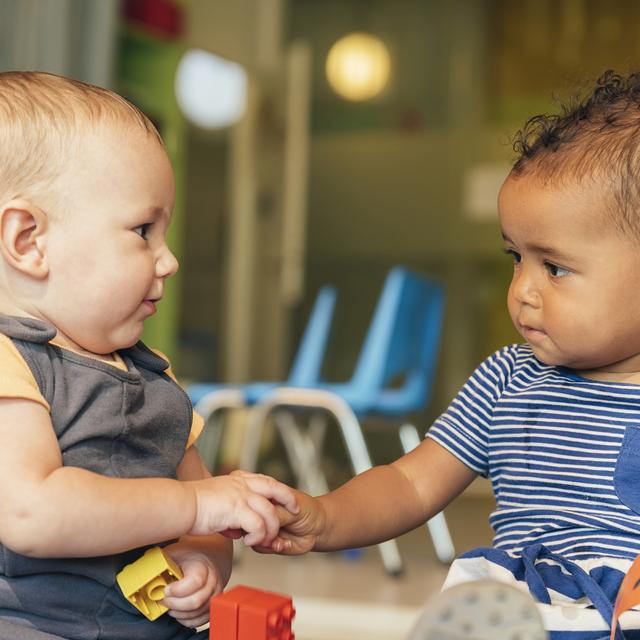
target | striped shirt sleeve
[{"x": 463, "y": 429}]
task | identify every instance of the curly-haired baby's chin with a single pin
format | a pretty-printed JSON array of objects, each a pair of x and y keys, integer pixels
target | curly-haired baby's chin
[
  {"x": 546, "y": 356},
  {"x": 551, "y": 362},
  {"x": 579, "y": 364}
]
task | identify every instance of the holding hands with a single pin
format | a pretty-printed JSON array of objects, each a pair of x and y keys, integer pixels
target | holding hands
[
  {"x": 242, "y": 505},
  {"x": 300, "y": 531},
  {"x": 239, "y": 505}
]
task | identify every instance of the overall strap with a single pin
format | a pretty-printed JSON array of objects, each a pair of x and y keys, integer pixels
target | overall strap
[
  {"x": 589, "y": 586},
  {"x": 141, "y": 354},
  {"x": 28, "y": 329}
]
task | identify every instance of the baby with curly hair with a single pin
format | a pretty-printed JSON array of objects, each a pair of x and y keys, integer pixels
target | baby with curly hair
[{"x": 554, "y": 422}]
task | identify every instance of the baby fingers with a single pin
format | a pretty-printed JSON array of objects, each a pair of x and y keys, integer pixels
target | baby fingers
[
  {"x": 191, "y": 619},
  {"x": 273, "y": 490},
  {"x": 259, "y": 521},
  {"x": 188, "y": 599}
]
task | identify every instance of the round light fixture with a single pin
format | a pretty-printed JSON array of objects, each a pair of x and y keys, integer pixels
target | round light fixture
[
  {"x": 211, "y": 91},
  {"x": 358, "y": 66}
]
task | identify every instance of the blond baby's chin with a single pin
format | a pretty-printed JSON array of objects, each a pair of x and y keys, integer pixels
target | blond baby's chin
[{"x": 123, "y": 339}]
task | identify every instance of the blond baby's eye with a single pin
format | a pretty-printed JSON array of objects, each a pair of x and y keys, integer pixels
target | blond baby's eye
[
  {"x": 142, "y": 230},
  {"x": 514, "y": 254}
]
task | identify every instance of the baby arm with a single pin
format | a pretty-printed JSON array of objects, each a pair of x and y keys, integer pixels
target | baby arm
[
  {"x": 205, "y": 561},
  {"x": 379, "y": 504},
  {"x": 50, "y": 510}
]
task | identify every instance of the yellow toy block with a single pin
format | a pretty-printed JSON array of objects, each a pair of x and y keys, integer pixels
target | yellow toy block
[{"x": 143, "y": 581}]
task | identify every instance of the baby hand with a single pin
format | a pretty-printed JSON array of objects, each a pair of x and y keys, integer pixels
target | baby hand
[
  {"x": 299, "y": 532},
  {"x": 241, "y": 504},
  {"x": 188, "y": 598}
]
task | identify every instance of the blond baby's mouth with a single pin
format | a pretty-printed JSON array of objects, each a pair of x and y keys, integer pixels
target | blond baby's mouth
[{"x": 150, "y": 305}]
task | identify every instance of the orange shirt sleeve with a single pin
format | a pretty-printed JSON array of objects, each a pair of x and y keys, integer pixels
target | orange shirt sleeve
[{"x": 16, "y": 379}]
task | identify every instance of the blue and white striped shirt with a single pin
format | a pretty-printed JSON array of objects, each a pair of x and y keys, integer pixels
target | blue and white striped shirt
[{"x": 562, "y": 453}]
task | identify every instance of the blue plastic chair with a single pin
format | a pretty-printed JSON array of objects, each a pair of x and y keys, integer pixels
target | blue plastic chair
[
  {"x": 211, "y": 398},
  {"x": 401, "y": 345}
]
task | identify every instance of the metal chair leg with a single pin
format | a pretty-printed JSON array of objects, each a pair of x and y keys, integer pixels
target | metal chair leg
[
  {"x": 437, "y": 525},
  {"x": 314, "y": 442},
  {"x": 256, "y": 420},
  {"x": 208, "y": 443},
  {"x": 219, "y": 399},
  {"x": 351, "y": 432},
  {"x": 209, "y": 407},
  {"x": 317, "y": 430},
  {"x": 302, "y": 454}
]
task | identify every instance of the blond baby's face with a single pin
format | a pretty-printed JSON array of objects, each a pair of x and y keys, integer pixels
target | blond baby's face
[
  {"x": 575, "y": 292},
  {"x": 106, "y": 249}
]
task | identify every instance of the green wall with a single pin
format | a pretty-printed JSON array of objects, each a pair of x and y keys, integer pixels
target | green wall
[{"x": 145, "y": 74}]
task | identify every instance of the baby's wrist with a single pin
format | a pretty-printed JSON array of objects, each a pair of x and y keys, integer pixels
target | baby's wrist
[
  {"x": 191, "y": 507},
  {"x": 322, "y": 524}
]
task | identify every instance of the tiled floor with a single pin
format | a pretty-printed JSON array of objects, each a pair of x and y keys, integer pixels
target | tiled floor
[{"x": 341, "y": 598}]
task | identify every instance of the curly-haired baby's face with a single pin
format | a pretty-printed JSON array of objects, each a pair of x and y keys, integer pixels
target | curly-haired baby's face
[{"x": 575, "y": 291}]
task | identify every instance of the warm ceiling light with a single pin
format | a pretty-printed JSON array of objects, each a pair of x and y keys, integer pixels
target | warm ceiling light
[
  {"x": 211, "y": 91},
  {"x": 358, "y": 66}
]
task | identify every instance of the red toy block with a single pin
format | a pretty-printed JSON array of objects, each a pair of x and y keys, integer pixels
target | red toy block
[
  {"x": 266, "y": 616},
  {"x": 244, "y": 613},
  {"x": 223, "y": 612}
]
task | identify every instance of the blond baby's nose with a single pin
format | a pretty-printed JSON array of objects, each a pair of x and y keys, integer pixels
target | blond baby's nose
[{"x": 167, "y": 264}]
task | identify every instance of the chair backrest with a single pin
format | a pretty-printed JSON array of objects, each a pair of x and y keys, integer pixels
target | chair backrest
[
  {"x": 307, "y": 363},
  {"x": 401, "y": 342}
]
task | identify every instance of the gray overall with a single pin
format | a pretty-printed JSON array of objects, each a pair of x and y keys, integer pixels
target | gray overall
[{"x": 125, "y": 424}]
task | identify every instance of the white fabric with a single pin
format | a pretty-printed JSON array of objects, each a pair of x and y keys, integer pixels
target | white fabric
[{"x": 563, "y": 614}]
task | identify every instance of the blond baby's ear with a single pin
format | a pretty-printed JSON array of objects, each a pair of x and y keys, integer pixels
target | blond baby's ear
[{"x": 23, "y": 228}]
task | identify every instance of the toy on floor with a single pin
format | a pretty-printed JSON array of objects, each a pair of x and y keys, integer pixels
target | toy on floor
[
  {"x": 482, "y": 610},
  {"x": 244, "y": 613},
  {"x": 241, "y": 613},
  {"x": 142, "y": 582}
]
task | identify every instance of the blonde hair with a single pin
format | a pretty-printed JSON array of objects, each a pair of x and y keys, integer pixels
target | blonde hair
[{"x": 41, "y": 117}]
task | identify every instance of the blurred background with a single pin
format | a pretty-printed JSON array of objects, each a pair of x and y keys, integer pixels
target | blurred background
[
  {"x": 294, "y": 185},
  {"x": 306, "y": 155}
]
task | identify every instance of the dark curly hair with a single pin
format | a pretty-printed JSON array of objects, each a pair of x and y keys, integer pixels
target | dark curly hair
[{"x": 597, "y": 137}]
